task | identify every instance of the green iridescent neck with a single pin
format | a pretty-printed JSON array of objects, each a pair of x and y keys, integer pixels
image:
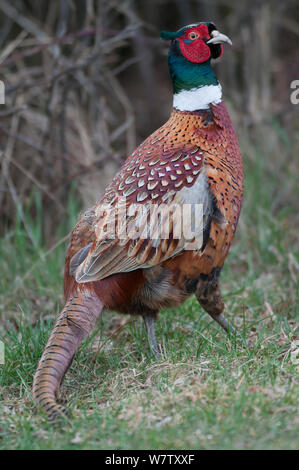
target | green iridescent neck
[{"x": 187, "y": 75}]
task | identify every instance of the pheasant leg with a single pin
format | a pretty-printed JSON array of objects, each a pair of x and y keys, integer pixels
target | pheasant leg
[
  {"x": 209, "y": 296},
  {"x": 223, "y": 322},
  {"x": 150, "y": 328}
]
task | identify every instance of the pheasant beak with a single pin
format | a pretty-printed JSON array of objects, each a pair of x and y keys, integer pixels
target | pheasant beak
[{"x": 218, "y": 38}]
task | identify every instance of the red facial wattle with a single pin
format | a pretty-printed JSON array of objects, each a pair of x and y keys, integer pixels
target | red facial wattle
[
  {"x": 197, "y": 51},
  {"x": 221, "y": 51}
]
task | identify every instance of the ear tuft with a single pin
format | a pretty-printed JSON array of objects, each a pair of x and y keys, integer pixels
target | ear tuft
[{"x": 166, "y": 35}]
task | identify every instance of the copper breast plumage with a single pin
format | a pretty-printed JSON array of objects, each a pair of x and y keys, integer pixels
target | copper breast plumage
[{"x": 189, "y": 147}]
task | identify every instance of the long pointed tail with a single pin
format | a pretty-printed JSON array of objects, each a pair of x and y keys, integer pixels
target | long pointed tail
[{"x": 73, "y": 324}]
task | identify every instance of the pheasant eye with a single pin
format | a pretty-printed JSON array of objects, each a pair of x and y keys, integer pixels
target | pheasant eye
[{"x": 193, "y": 36}]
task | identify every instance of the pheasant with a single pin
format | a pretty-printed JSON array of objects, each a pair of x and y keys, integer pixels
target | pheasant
[{"x": 193, "y": 160}]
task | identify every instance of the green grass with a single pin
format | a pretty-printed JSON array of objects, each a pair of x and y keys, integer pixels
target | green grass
[{"x": 209, "y": 391}]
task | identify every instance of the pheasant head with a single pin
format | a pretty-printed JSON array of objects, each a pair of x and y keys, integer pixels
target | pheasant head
[{"x": 195, "y": 84}]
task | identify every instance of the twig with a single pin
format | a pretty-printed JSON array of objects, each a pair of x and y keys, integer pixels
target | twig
[{"x": 37, "y": 183}]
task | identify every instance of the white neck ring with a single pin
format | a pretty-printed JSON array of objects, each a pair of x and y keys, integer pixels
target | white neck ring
[{"x": 197, "y": 98}]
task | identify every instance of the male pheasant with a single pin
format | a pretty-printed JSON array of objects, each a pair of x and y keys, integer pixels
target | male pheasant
[{"x": 192, "y": 160}]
